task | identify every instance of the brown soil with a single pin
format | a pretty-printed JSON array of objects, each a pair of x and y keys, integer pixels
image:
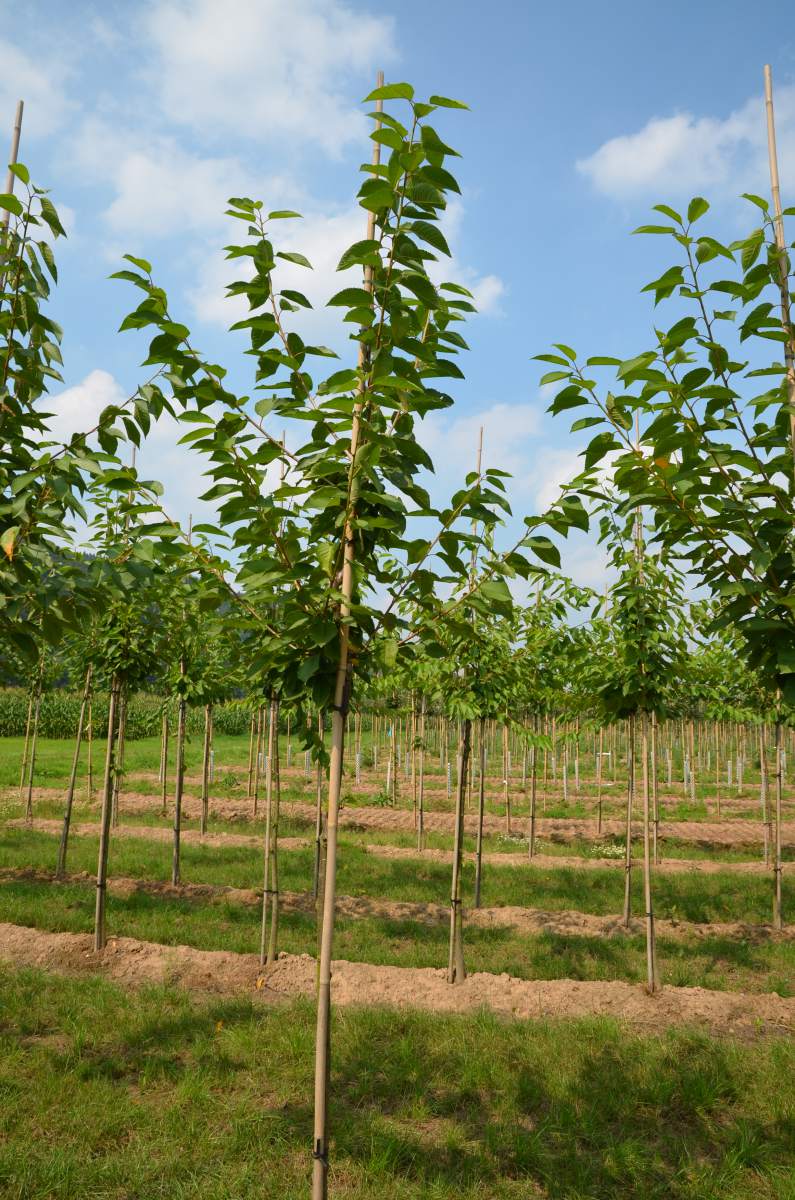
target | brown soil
[
  {"x": 729, "y": 832},
  {"x": 529, "y": 920},
  {"x": 155, "y": 833},
  {"x": 551, "y": 862},
  {"x": 133, "y": 963}
]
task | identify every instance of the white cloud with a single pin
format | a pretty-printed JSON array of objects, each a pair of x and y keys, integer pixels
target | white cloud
[
  {"x": 40, "y": 85},
  {"x": 267, "y": 68},
  {"x": 77, "y": 409},
  {"x": 684, "y": 154}
]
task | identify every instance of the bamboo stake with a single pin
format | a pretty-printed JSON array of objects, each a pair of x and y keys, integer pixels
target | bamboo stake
[
  {"x": 317, "y": 874},
  {"x": 777, "y": 869},
  {"x": 783, "y": 257},
  {"x": 531, "y": 849},
  {"x": 89, "y": 754},
  {"x": 5, "y": 216},
  {"x": 251, "y": 751},
  {"x": 119, "y": 772},
  {"x": 342, "y": 692},
  {"x": 104, "y": 828},
  {"x": 630, "y": 798},
  {"x": 70, "y": 791}
]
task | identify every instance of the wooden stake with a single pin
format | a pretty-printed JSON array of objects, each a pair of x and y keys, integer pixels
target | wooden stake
[
  {"x": 180, "y": 780},
  {"x": 783, "y": 257},
  {"x": 342, "y": 691}
]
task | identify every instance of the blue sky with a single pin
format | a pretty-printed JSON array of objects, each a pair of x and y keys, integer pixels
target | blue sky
[{"x": 143, "y": 117}]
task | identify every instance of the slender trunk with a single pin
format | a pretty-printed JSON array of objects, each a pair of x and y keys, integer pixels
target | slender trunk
[
  {"x": 421, "y": 787},
  {"x": 251, "y": 752},
  {"x": 164, "y": 780},
  {"x": 651, "y": 970},
  {"x": 456, "y": 972},
  {"x": 765, "y": 794},
  {"x": 208, "y": 733},
  {"x": 342, "y": 695},
  {"x": 533, "y": 789},
  {"x": 28, "y": 724},
  {"x": 104, "y": 828},
  {"x": 778, "y": 918},
  {"x": 89, "y": 754},
  {"x": 317, "y": 875},
  {"x": 258, "y": 756},
  {"x": 180, "y": 781},
  {"x": 655, "y": 803},
  {"x": 70, "y": 791},
  {"x": 481, "y": 807},
  {"x": 506, "y": 779},
  {"x": 630, "y": 798},
  {"x": 33, "y": 739},
  {"x": 119, "y": 773},
  {"x": 270, "y": 889},
  {"x": 599, "y": 786}
]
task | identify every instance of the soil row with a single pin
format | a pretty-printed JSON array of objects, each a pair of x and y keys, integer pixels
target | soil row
[
  {"x": 134, "y": 963},
  {"x": 561, "y": 922},
  {"x": 547, "y": 862}
]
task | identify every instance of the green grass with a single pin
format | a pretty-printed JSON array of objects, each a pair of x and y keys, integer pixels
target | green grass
[
  {"x": 698, "y": 898},
  {"x": 110, "y": 1094},
  {"x": 710, "y": 962}
]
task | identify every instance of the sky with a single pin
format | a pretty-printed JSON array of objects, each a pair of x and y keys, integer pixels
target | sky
[{"x": 143, "y": 116}]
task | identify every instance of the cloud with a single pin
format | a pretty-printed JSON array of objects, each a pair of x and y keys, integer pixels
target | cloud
[
  {"x": 683, "y": 154},
  {"x": 267, "y": 69},
  {"x": 179, "y": 468},
  {"x": 41, "y": 85}
]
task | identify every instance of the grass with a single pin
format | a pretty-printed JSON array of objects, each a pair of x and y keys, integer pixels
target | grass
[
  {"x": 697, "y": 898},
  {"x": 107, "y": 1093}
]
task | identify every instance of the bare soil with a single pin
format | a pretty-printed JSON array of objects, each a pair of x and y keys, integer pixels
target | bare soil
[
  {"x": 728, "y": 832},
  {"x": 134, "y": 963},
  {"x": 552, "y": 862}
]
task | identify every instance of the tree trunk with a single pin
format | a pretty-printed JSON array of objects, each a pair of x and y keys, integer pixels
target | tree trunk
[
  {"x": 651, "y": 949},
  {"x": 70, "y": 791},
  {"x": 251, "y": 752},
  {"x": 778, "y": 919},
  {"x": 270, "y": 890},
  {"x": 481, "y": 807},
  {"x": 33, "y": 739},
  {"x": 531, "y": 848},
  {"x": 180, "y": 780},
  {"x": 318, "y": 873},
  {"x": 208, "y": 735},
  {"x": 89, "y": 754},
  {"x": 164, "y": 779},
  {"x": 421, "y": 790},
  {"x": 28, "y": 724},
  {"x": 119, "y": 773},
  {"x": 630, "y": 798},
  {"x": 456, "y": 972},
  {"x": 104, "y": 828}
]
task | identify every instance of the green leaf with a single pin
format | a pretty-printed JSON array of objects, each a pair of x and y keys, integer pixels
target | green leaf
[
  {"x": 11, "y": 204},
  {"x": 446, "y": 102},
  {"x": 21, "y": 172},
  {"x": 696, "y": 208},
  {"x": 294, "y": 257},
  {"x": 391, "y": 91},
  {"x": 352, "y": 298},
  {"x": 282, "y": 214},
  {"x": 364, "y": 253}
]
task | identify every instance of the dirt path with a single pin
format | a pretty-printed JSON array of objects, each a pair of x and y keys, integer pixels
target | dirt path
[
  {"x": 552, "y": 862},
  {"x": 729, "y": 832},
  {"x": 133, "y": 963},
  {"x": 530, "y": 921},
  {"x": 156, "y": 833},
  {"x": 547, "y": 862}
]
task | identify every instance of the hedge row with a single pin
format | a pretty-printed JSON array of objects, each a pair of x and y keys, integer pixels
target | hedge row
[{"x": 60, "y": 711}]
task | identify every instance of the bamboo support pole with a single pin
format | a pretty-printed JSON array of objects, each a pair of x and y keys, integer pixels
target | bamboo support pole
[
  {"x": 70, "y": 791},
  {"x": 104, "y": 828}
]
